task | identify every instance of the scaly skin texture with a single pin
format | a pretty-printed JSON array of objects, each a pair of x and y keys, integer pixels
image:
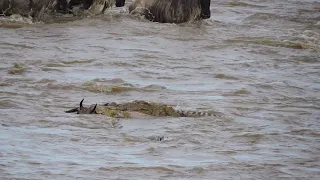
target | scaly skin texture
[
  {"x": 130, "y": 110},
  {"x": 152, "y": 109}
]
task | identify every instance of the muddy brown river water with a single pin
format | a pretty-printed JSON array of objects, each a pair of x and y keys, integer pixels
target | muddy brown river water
[{"x": 255, "y": 62}]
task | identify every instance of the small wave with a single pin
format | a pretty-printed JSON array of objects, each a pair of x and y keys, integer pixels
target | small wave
[
  {"x": 113, "y": 81},
  {"x": 121, "y": 86},
  {"x": 50, "y": 69},
  {"x": 109, "y": 88},
  {"x": 155, "y": 87},
  {"x": 238, "y": 92},
  {"x": 312, "y": 38},
  {"x": 249, "y": 135},
  {"x": 114, "y": 15},
  {"x": 46, "y": 81},
  {"x": 48, "y": 84},
  {"x": 34, "y": 163},
  {"x": 264, "y": 86},
  {"x": 268, "y": 42},
  {"x": 223, "y": 76},
  {"x": 262, "y": 16},
  {"x": 13, "y": 45},
  {"x": 128, "y": 138},
  {"x": 228, "y": 152},
  {"x": 92, "y": 86},
  {"x": 123, "y": 64},
  {"x": 62, "y": 86},
  {"x": 198, "y": 170},
  {"x": 17, "y": 68},
  {"x": 304, "y": 132},
  {"x": 303, "y": 20},
  {"x": 78, "y": 61},
  {"x": 5, "y": 84},
  {"x": 157, "y": 168},
  {"x": 146, "y": 56},
  {"x": 232, "y": 3},
  {"x": 65, "y": 18},
  {"x": 151, "y": 149},
  {"x": 166, "y": 77},
  {"x": 57, "y": 64},
  {"x": 15, "y": 21},
  {"x": 12, "y": 104},
  {"x": 242, "y": 91}
]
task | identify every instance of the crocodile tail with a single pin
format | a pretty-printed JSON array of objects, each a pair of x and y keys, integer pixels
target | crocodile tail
[{"x": 183, "y": 113}]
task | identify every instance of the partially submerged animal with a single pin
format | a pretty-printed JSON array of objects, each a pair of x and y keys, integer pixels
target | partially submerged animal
[
  {"x": 39, "y": 8},
  {"x": 170, "y": 11},
  {"x": 83, "y": 110},
  {"x": 135, "y": 109}
]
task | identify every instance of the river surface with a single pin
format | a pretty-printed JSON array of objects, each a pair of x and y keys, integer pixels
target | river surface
[{"x": 255, "y": 63}]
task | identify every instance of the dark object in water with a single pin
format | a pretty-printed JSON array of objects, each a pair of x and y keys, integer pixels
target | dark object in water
[
  {"x": 83, "y": 110},
  {"x": 39, "y": 8},
  {"x": 130, "y": 109},
  {"x": 170, "y": 11},
  {"x": 157, "y": 138}
]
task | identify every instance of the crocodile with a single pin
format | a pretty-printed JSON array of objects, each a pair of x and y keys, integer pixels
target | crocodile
[{"x": 136, "y": 108}]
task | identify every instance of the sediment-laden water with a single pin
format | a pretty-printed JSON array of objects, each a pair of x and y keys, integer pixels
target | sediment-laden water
[{"x": 256, "y": 63}]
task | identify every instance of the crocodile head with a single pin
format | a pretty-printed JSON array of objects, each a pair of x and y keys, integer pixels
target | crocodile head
[{"x": 83, "y": 110}]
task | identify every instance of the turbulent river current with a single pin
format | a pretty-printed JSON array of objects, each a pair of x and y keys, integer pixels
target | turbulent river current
[{"x": 255, "y": 63}]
